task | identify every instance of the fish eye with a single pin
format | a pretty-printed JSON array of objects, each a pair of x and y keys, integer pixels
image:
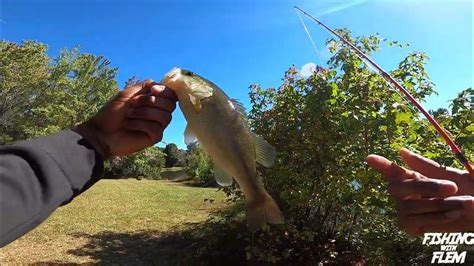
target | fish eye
[{"x": 187, "y": 73}]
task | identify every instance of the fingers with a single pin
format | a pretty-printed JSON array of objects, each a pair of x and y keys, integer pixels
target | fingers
[
  {"x": 163, "y": 92},
  {"x": 404, "y": 184},
  {"x": 145, "y": 87},
  {"x": 152, "y": 105},
  {"x": 390, "y": 170},
  {"x": 422, "y": 206},
  {"x": 428, "y": 167},
  {"x": 422, "y": 186},
  {"x": 437, "y": 215},
  {"x": 423, "y": 194},
  {"x": 150, "y": 114},
  {"x": 134, "y": 89},
  {"x": 148, "y": 83},
  {"x": 160, "y": 90},
  {"x": 153, "y": 130},
  {"x": 153, "y": 101},
  {"x": 419, "y": 224}
]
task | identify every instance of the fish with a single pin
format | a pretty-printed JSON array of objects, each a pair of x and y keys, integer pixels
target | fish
[{"x": 218, "y": 123}]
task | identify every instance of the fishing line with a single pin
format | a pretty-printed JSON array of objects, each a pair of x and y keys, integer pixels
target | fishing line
[
  {"x": 309, "y": 36},
  {"x": 392, "y": 82}
]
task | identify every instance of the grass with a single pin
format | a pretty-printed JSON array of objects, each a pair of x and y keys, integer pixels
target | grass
[{"x": 118, "y": 221}]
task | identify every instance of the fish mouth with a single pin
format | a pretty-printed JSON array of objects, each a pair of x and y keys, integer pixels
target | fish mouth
[{"x": 173, "y": 75}]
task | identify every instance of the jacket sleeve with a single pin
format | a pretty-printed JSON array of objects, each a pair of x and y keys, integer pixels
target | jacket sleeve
[{"x": 39, "y": 175}]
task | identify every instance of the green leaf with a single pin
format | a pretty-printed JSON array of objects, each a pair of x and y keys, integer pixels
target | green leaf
[
  {"x": 334, "y": 89},
  {"x": 470, "y": 128},
  {"x": 402, "y": 117}
]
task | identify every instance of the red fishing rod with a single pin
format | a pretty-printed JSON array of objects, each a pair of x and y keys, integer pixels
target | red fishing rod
[{"x": 441, "y": 131}]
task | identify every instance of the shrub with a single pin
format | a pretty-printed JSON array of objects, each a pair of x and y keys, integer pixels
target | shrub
[
  {"x": 199, "y": 166},
  {"x": 146, "y": 163},
  {"x": 323, "y": 127}
]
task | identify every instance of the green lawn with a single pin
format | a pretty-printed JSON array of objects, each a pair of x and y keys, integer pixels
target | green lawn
[{"x": 118, "y": 221}]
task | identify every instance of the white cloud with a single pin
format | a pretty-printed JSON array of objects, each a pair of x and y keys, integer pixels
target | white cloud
[{"x": 308, "y": 69}]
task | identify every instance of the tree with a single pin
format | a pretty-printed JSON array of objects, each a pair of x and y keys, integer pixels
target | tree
[
  {"x": 182, "y": 158},
  {"x": 24, "y": 72},
  {"x": 174, "y": 156},
  {"x": 40, "y": 95}
]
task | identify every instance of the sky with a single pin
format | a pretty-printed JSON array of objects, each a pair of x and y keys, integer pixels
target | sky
[{"x": 236, "y": 43}]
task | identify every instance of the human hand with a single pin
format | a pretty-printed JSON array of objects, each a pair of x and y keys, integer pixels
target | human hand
[
  {"x": 133, "y": 120},
  {"x": 430, "y": 198}
]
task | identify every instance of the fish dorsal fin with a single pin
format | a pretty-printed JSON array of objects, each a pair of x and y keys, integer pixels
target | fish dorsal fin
[
  {"x": 238, "y": 106},
  {"x": 198, "y": 93},
  {"x": 189, "y": 136},
  {"x": 264, "y": 153},
  {"x": 222, "y": 178}
]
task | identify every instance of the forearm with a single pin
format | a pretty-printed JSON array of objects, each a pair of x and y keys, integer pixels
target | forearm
[{"x": 38, "y": 176}]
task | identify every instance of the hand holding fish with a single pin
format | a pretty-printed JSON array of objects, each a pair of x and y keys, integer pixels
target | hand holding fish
[
  {"x": 430, "y": 198},
  {"x": 133, "y": 120}
]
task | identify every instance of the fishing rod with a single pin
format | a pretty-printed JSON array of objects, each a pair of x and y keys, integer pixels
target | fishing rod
[{"x": 385, "y": 75}]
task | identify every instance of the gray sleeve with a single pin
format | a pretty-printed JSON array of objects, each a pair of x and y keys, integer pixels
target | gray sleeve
[{"x": 39, "y": 175}]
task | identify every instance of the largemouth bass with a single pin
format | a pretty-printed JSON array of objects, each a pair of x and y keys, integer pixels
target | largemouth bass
[{"x": 220, "y": 126}]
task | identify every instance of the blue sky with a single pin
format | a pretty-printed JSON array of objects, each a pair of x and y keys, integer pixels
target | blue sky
[{"x": 237, "y": 43}]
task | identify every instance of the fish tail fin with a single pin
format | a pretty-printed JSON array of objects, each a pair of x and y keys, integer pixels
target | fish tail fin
[
  {"x": 272, "y": 212},
  {"x": 263, "y": 212}
]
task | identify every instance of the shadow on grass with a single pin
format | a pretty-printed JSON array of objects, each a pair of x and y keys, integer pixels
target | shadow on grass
[
  {"x": 180, "y": 175},
  {"x": 146, "y": 247},
  {"x": 189, "y": 246},
  {"x": 196, "y": 183}
]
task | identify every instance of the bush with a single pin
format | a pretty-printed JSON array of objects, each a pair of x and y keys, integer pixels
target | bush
[
  {"x": 337, "y": 209},
  {"x": 146, "y": 164},
  {"x": 199, "y": 166}
]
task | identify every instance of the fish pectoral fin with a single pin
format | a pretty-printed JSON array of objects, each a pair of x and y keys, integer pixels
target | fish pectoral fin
[
  {"x": 189, "y": 136},
  {"x": 199, "y": 93},
  {"x": 196, "y": 102},
  {"x": 264, "y": 153},
  {"x": 222, "y": 178}
]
